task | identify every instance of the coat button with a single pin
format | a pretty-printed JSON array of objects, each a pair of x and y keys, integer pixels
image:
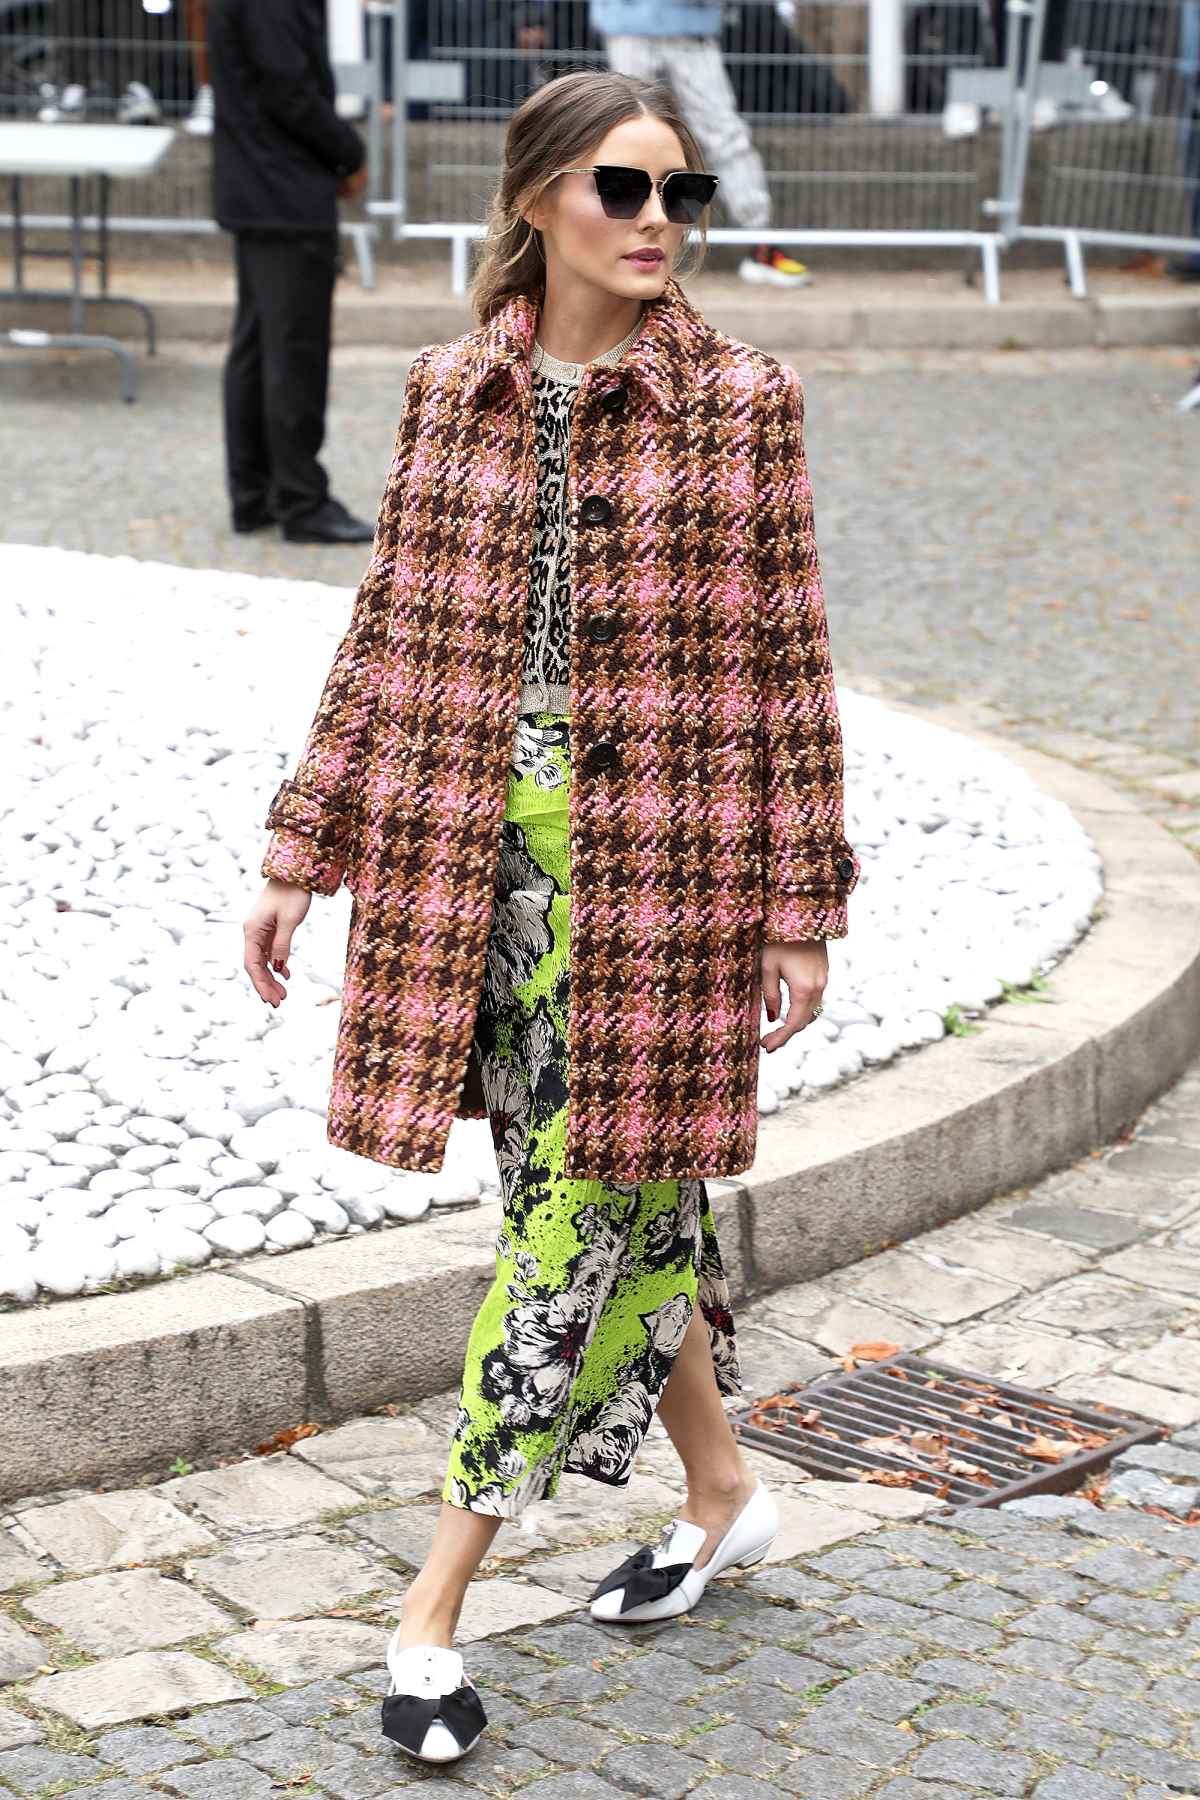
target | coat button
[
  {"x": 595, "y": 509},
  {"x": 602, "y": 756},
  {"x": 613, "y": 399},
  {"x": 845, "y": 867},
  {"x": 602, "y": 629}
]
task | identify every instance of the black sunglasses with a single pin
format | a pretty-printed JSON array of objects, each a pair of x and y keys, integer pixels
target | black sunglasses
[{"x": 623, "y": 192}]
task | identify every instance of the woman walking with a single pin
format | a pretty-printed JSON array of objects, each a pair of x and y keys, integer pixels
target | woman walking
[{"x": 579, "y": 761}]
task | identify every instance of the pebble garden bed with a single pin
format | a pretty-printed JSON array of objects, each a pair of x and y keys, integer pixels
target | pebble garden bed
[{"x": 158, "y": 1117}]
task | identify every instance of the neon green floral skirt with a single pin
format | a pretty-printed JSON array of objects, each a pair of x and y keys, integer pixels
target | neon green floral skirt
[{"x": 595, "y": 1282}]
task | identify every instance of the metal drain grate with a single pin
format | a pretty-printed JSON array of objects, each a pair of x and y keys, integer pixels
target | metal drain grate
[{"x": 915, "y": 1423}]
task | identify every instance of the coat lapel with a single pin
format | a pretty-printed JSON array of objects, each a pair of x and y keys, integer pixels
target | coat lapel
[{"x": 660, "y": 362}]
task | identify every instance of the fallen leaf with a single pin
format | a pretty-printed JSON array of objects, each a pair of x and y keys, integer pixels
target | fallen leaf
[
  {"x": 887, "y": 1477},
  {"x": 1047, "y": 1449},
  {"x": 283, "y": 1440}
]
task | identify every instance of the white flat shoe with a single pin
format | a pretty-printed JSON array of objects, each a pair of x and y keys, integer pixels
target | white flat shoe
[
  {"x": 661, "y": 1582},
  {"x": 431, "y": 1708}
]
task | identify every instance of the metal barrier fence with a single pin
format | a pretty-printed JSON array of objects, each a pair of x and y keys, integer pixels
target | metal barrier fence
[
  {"x": 145, "y": 62},
  {"x": 854, "y": 109},
  {"x": 839, "y": 167},
  {"x": 1122, "y": 162}
]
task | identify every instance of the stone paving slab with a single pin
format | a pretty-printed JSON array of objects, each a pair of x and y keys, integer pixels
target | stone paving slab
[
  {"x": 298, "y": 1650},
  {"x": 17, "y": 1565},
  {"x": 132, "y": 1610},
  {"x": 265, "y": 1494},
  {"x": 99, "y": 1531},
  {"x": 134, "y": 1687},
  {"x": 402, "y": 1458},
  {"x": 20, "y": 1651},
  {"x": 288, "y": 1577}
]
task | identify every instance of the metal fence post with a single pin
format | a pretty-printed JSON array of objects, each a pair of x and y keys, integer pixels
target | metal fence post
[
  {"x": 886, "y": 57},
  {"x": 399, "y": 118},
  {"x": 1019, "y": 141}
]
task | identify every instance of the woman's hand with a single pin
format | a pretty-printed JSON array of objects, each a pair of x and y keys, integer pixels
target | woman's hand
[
  {"x": 805, "y": 969},
  {"x": 268, "y": 936}
]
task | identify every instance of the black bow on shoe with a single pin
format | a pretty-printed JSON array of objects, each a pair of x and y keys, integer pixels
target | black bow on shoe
[
  {"x": 407, "y": 1717},
  {"x": 641, "y": 1580}
]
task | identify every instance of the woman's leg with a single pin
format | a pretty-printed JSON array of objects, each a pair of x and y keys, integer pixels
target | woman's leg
[
  {"x": 719, "y": 1480},
  {"x": 434, "y": 1599}
]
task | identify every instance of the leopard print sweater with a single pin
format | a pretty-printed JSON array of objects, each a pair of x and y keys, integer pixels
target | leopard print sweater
[{"x": 545, "y": 684}]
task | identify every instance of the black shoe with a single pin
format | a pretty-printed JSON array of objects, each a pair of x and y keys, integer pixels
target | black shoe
[
  {"x": 257, "y": 519},
  {"x": 329, "y": 524},
  {"x": 1184, "y": 270}
]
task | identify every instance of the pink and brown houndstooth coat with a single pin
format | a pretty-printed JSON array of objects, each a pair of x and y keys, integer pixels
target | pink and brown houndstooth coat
[{"x": 706, "y": 794}]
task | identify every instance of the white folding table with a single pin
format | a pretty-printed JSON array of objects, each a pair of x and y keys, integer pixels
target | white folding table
[{"x": 77, "y": 154}]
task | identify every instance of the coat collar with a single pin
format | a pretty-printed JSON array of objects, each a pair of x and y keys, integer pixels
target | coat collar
[{"x": 660, "y": 361}]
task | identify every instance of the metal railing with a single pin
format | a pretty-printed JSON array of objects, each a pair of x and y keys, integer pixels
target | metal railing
[
  {"x": 110, "y": 61},
  {"x": 839, "y": 168},
  {"x": 1121, "y": 164},
  {"x": 1082, "y": 117}
]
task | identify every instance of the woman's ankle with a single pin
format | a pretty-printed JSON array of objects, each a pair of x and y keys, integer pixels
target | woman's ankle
[
  {"x": 707, "y": 1490},
  {"x": 428, "y": 1616}
]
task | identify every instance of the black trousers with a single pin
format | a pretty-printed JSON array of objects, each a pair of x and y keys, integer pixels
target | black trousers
[{"x": 277, "y": 372}]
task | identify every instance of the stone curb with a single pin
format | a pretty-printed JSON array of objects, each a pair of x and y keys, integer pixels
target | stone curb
[
  {"x": 1103, "y": 322},
  {"x": 108, "y": 1387}
]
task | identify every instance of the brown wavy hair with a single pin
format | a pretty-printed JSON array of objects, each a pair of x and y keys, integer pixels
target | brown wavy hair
[{"x": 554, "y": 127}]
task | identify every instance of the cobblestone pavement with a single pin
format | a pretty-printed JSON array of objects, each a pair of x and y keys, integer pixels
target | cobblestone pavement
[{"x": 221, "y": 1632}]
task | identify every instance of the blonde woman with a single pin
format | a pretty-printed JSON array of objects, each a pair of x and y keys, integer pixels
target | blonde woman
[{"x": 579, "y": 761}]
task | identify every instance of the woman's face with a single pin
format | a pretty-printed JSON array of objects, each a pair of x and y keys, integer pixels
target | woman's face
[{"x": 582, "y": 243}]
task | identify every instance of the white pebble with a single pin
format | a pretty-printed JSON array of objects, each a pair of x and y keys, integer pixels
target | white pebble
[
  {"x": 261, "y": 1202},
  {"x": 405, "y": 1205},
  {"x": 323, "y": 1211},
  {"x": 177, "y": 1246},
  {"x": 290, "y": 1230},
  {"x": 129, "y": 1220},
  {"x": 138, "y": 1256},
  {"x": 361, "y": 1210},
  {"x": 60, "y": 1268},
  {"x": 18, "y": 1277},
  {"x": 193, "y": 1217},
  {"x": 238, "y": 1235}
]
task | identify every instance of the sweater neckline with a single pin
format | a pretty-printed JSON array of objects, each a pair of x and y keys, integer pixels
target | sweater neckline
[{"x": 555, "y": 368}]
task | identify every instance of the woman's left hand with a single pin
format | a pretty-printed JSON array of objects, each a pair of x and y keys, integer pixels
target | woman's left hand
[{"x": 804, "y": 968}]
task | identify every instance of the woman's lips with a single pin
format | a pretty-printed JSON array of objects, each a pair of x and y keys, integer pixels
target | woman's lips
[{"x": 650, "y": 257}]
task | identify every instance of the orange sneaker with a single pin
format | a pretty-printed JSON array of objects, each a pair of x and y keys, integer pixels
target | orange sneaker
[{"x": 773, "y": 266}]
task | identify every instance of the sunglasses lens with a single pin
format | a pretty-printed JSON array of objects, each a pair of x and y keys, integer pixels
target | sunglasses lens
[
  {"x": 623, "y": 192},
  {"x": 685, "y": 196}
]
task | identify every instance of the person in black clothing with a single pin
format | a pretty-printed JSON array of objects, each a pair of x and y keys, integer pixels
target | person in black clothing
[{"x": 281, "y": 159}]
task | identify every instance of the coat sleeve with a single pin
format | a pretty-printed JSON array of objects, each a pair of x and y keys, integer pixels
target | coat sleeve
[
  {"x": 310, "y": 814},
  {"x": 808, "y": 868},
  {"x": 275, "y": 45}
]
